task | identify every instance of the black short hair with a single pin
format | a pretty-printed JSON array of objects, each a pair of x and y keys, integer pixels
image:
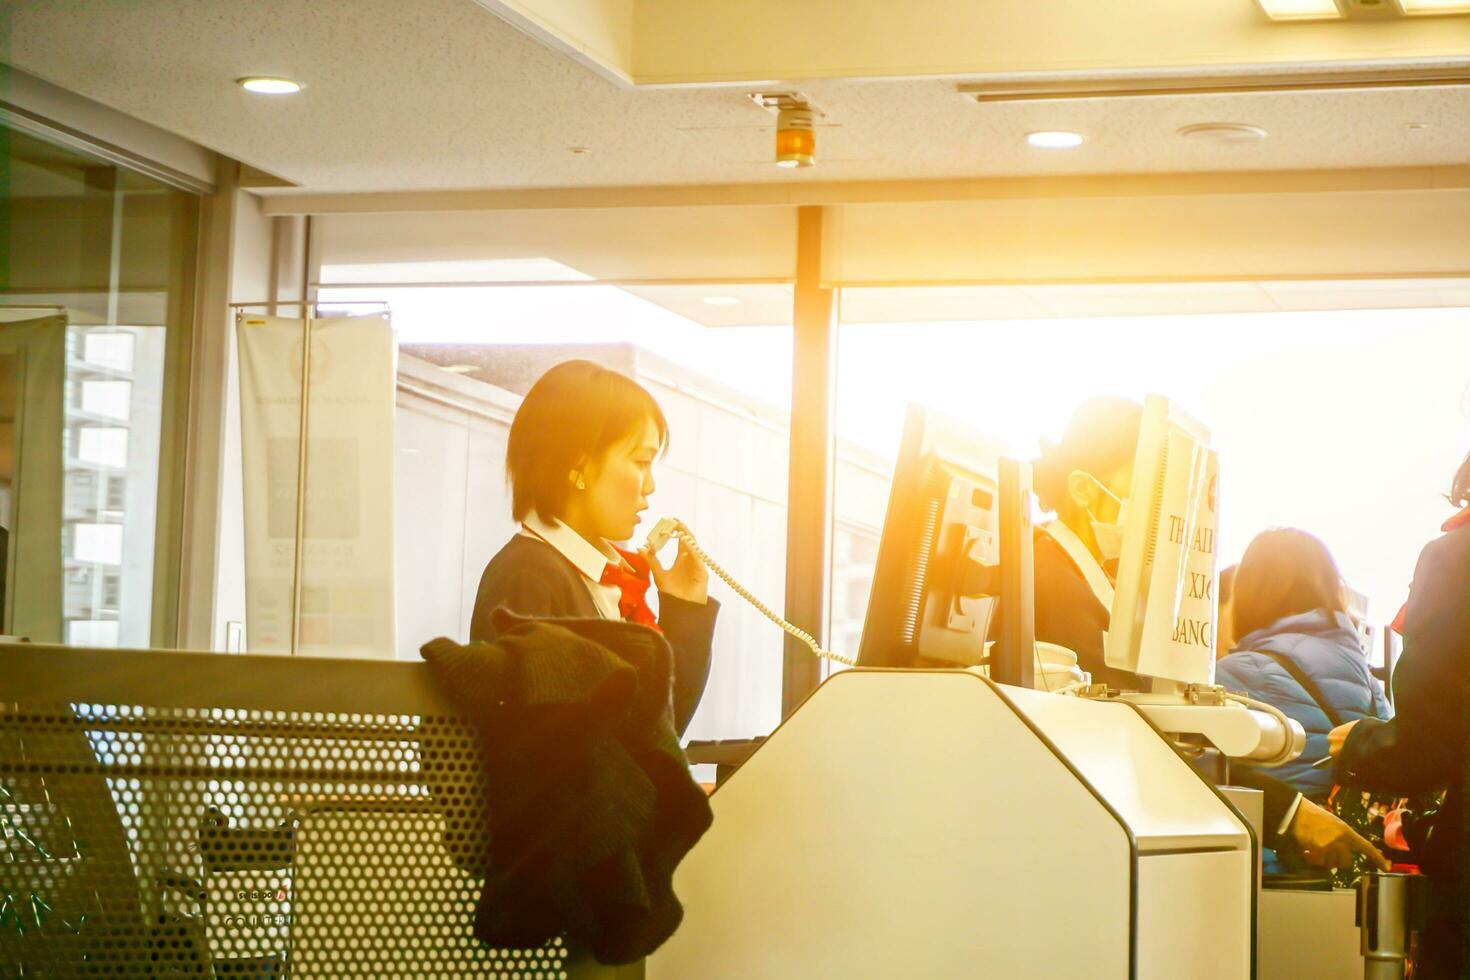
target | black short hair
[
  {"x": 1460, "y": 488},
  {"x": 571, "y": 415},
  {"x": 1101, "y": 436}
]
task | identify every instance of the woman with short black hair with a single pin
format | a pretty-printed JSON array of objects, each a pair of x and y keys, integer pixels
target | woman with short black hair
[{"x": 580, "y": 465}]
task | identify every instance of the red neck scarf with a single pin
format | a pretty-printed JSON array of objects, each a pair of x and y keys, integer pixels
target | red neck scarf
[{"x": 632, "y": 577}]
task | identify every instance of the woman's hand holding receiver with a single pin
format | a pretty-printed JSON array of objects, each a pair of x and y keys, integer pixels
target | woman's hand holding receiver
[{"x": 686, "y": 578}]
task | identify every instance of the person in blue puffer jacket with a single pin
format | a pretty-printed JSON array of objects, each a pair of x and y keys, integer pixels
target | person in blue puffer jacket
[{"x": 1296, "y": 647}]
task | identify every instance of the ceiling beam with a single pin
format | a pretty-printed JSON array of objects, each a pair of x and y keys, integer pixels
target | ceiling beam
[{"x": 868, "y": 192}]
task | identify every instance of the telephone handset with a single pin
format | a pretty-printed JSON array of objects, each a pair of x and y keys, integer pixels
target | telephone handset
[
  {"x": 669, "y": 528},
  {"x": 661, "y": 533}
]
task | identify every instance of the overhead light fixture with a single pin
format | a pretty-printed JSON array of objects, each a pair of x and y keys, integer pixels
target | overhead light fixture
[
  {"x": 1420, "y": 8},
  {"x": 461, "y": 368},
  {"x": 266, "y": 85},
  {"x": 796, "y": 139},
  {"x": 1360, "y": 9},
  {"x": 1054, "y": 139},
  {"x": 796, "y": 134},
  {"x": 1301, "y": 9},
  {"x": 722, "y": 301},
  {"x": 1216, "y": 132}
]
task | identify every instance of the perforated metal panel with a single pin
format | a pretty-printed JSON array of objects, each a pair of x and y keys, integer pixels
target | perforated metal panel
[{"x": 148, "y": 840}]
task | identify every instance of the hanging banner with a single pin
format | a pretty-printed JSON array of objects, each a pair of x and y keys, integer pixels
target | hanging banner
[{"x": 345, "y": 605}]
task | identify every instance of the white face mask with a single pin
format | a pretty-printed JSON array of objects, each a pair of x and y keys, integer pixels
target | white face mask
[{"x": 1109, "y": 535}]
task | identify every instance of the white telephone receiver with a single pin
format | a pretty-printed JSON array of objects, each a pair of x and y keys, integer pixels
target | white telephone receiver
[
  {"x": 662, "y": 531},
  {"x": 669, "y": 528}
]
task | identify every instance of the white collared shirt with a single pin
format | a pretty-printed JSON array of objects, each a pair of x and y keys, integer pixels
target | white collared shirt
[
  {"x": 1097, "y": 579},
  {"x": 588, "y": 558}
]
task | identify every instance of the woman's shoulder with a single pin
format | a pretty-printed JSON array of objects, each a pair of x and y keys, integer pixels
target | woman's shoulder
[
  {"x": 526, "y": 564},
  {"x": 529, "y": 577},
  {"x": 1241, "y": 665}
]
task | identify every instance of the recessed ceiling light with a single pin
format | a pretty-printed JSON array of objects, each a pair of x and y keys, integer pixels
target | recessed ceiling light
[
  {"x": 1224, "y": 132},
  {"x": 461, "y": 368},
  {"x": 265, "y": 85},
  {"x": 1416, "y": 7},
  {"x": 722, "y": 301},
  {"x": 1300, "y": 9},
  {"x": 1417, "y": 126},
  {"x": 1054, "y": 139},
  {"x": 578, "y": 151}
]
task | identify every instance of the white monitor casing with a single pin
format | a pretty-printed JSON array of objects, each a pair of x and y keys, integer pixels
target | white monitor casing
[{"x": 1164, "y": 608}]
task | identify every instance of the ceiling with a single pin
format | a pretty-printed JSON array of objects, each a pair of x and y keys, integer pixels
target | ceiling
[{"x": 442, "y": 94}]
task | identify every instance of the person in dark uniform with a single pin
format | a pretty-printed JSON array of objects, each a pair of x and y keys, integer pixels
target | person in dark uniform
[
  {"x": 1423, "y": 747},
  {"x": 1084, "y": 479},
  {"x": 580, "y": 465}
]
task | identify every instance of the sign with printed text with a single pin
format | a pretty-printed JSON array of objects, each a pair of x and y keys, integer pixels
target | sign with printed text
[
  {"x": 1181, "y": 586},
  {"x": 344, "y": 571}
]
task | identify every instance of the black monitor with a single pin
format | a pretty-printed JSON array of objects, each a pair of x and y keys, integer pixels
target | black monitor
[{"x": 955, "y": 552}]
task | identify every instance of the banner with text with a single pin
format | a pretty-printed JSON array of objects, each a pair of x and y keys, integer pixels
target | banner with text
[{"x": 346, "y": 560}]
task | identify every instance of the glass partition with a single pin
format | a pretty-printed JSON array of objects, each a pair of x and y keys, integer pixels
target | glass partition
[{"x": 94, "y": 304}]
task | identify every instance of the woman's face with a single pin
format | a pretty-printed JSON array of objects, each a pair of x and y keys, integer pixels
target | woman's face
[{"x": 618, "y": 487}]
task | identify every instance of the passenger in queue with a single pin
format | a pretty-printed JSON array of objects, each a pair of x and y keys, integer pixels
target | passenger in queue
[
  {"x": 1423, "y": 748},
  {"x": 1298, "y": 650},
  {"x": 580, "y": 464}
]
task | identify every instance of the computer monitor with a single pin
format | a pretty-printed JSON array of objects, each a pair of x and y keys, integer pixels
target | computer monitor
[
  {"x": 955, "y": 550},
  {"x": 1164, "y": 607}
]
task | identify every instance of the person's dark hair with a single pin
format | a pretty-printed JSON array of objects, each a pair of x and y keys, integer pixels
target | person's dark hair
[
  {"x": 1101, "y": 436},
  {"x": 571, "y": 415},
  {"x": 1227, "y": 583},
  {"x": 1285, "y": 572},
  {"x": 1460, "y": 488}
]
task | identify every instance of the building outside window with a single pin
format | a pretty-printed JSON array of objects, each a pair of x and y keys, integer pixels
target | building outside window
[{"x": 99, "y": 270}]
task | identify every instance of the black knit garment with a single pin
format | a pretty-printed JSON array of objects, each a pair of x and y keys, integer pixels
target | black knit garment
[{"x": 589, "y": 802}]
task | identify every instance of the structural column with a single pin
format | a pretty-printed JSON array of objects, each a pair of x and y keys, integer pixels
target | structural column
[{"x": 809, "y": 484}]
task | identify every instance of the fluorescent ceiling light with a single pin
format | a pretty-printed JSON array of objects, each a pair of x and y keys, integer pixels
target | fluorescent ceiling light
[
  {"x": 722, "y": 301},
  {"x": 1415, "y": 7},
  {"x": 1054, "y": 139},
  {"x": 264, "y": 85},
  {"x": 1300, "y": 9}
]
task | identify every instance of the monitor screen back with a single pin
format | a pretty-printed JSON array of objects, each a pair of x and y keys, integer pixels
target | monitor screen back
[{"x": 1164, "y": 609}]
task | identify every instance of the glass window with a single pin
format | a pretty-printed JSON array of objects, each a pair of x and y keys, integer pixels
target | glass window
[
  {"x": 108, "y": 349},
  {"x": 117, "y": 492},
  {"x": 111, "y": 591},
  {"x": 97, "y": 285},
  {"x": 109, "y": 398},
  {"x": 1311, "y": 413},
  {"x": 466, "y": 357},
  {"x": 102, "y": 445},
  {"x": 98, "y": 544},
  {"x": 92, "y": 632}
]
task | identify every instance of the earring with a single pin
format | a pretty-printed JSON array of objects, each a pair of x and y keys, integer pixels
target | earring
[{"x": 581, "y": 483}]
